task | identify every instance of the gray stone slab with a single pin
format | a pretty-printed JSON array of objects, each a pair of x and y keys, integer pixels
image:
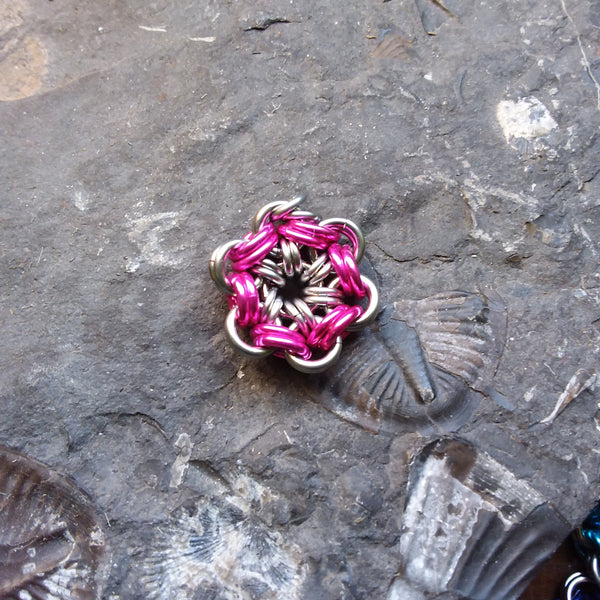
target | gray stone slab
[{"x": 138, "y": 138}]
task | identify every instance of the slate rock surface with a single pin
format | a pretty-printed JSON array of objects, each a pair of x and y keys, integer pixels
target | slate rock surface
[{"x": 137, "y": 138}]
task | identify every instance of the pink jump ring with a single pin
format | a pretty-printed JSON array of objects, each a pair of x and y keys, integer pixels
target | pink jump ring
[
  {"x": 253, "y": 248},
  {"x": 299, "y": 216},
  {"x": 245, "y": 297},
  {"x": 346, "y": 268},
  {"x": 332, "y": 325},
  {"x": 346, "y": 231},
  {"x": 309, "y": 234},
  {"x": 350, "y": 230},
  {"x": 281, "y": 338}
]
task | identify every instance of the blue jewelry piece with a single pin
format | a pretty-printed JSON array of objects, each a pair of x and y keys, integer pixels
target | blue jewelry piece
[
  {"x": 587, "y": 542},
  {"x": 587, "y": 537},
  {"x": 580, "y": 587}
]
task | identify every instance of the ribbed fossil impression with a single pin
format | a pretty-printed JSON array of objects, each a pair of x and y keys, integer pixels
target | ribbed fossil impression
[
  {"x": 419, "y": 366},
  {"x": 51, "y": 543},
  {"x": 469, "y": 523},
  {"x": 217, "y": 549}
]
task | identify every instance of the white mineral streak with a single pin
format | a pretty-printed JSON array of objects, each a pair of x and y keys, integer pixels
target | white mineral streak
[
  {"x": 529, "y": 394},
  {"x": 28, "y": 568},
  {"x": 580, "y": 381},
  {"x": 81, "y": 199},
  {"x": 184, "y": 446},
  {"x": 159, "y": 29}
]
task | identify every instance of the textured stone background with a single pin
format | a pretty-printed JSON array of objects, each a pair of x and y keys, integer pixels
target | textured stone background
[{"x": 138, "y": 136}]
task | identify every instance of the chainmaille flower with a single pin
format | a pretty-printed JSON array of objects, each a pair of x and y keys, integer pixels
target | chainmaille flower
[{"x": 294, "y": 286}]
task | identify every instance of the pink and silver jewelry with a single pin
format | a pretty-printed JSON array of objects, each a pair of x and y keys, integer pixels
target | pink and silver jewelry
[{"x": 294, "y": 287}]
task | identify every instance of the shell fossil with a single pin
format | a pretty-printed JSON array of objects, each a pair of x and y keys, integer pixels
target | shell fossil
[
  {"x": 391, "y": 45},
  {"x": 469, "y": 522},
  {"x": 420, "y": 364},
  {"x": 51, "y": 543},
  {"x": 214, "y": 549}
]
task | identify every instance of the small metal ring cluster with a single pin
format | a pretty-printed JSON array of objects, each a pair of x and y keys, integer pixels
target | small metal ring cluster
[
  {"x": 294, "y": 286},
  {"x": 581, "y": 586}
]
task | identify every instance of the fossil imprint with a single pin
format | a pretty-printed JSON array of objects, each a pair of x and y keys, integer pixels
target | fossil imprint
[
  {"x": 471, "y": 527},
  {"x": 51, "y": 543},
  {"x": 418, "y": 366},
  {"x": 218, "y": 549}
]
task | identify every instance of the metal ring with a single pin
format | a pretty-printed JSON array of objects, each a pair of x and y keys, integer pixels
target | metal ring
[
  {"x": 346, "y": 268},
  {"x": 271, "y": 306},
  {"x": 318, "y": 365},
  {"x": 298, "y": 314},
  {"x": 302, "y": 214},
  {"x": 290, "y": 205},
  {"x": 371, "y": 311},
  {"x": 326, "y": 301},
  {"x": 216, "y": 266},
  {"x": 269, "y": 270},
  {"x": 262, "y": 214},
  {"x": 594, "y": 568},
  {"x": 571, "y": 585},
  {"x": 299, "y": 311},
  {"x": 322, "y": 291},
  {"x": 360, "y": 238},
  {"x": 322, "y": 296},
  {"x": 276, "y": 208},
  {"x": 317, "y": 270},
  {"x": 238, "y": 343},
  {"x": 290, "y": 253}
]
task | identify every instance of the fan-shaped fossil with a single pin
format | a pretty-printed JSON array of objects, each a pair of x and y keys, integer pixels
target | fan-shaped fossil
[
  {"x": 51, "y": 543},
  {"x": 418, "y": 367},
  {"x": 392, "y": 45},
  {"x": 216, "y": 550},
  {"x": 469, "y": 523}
]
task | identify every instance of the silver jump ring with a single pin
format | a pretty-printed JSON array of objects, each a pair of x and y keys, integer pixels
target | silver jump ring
[
  {"x": 271, "y": 306},
  {"x": 360, "y": 238},
  {"x": 238, "y": 343},
  {"x": 322, "y": 291},
  {"x": 371, "y": 311},
  {"x": 289, "y": 205},
  {"x": 271, "y": 271},
  {"x": 318, "y": 270},
  {"x": 276, "y": 208},
  {"x": 306, "y": 214},
  {"x": 263, "y": 212},
  {"x": 319, "y": 365},
  {"x": 322, "y": 296},
  {"x": 216, "y": 266},
  {"x": 290, "y": 253},
  {"x": 298, "y": 310}
]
